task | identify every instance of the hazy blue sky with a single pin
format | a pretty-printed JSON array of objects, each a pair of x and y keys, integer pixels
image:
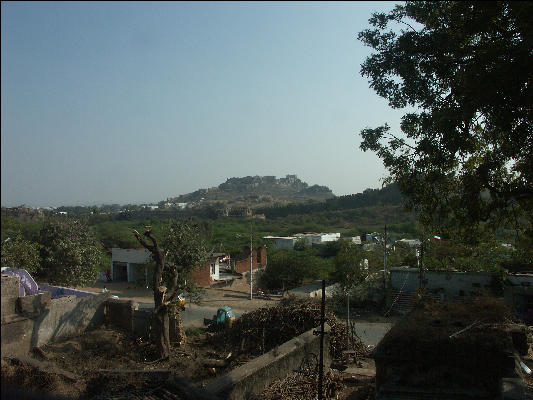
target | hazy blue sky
[{"x": 136, "y": 102}]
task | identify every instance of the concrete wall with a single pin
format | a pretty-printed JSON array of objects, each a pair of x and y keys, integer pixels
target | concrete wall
[
  {"x": 141, "y": 322},
  {"x": 451, "y": 283},
  {"x": 9, "y": 294},
  {"x": 38, "y": 319},
  {"x": 120, "y": 314},
  {"x": 253, "y": 377}
]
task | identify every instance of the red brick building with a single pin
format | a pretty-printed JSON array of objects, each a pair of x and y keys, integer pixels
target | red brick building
[
  {"x": 259, "y": 260},
  {"x": 207, "y": 273}
]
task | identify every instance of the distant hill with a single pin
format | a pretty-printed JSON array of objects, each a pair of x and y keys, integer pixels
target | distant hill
[
  {"x": 388, "y": 196},
  {"x": 257, "y": 191}
]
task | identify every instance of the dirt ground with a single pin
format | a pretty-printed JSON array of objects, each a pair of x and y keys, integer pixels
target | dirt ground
[
  {"x": 236, "y": 295},
  {"x": 105, "y": 363}
]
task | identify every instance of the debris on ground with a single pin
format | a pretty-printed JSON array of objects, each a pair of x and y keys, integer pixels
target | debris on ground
[
  {"x": 303, "y": 385},
  {"x": 259, "y": 331},
  {"x": 106, "y": 363}
]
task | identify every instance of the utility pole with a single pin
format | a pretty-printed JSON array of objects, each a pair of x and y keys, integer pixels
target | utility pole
[
  {"x": 385, "y": 258},
  {"x": 348, "y": 318},
  {"x": 421, "y": 265},
  {"x": 321, "y": 361},
  {"x": 251, "y": 261}
]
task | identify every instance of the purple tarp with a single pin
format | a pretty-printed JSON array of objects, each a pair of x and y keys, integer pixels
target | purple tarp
[
  {"x": 57, "y": 291},
  {"x": 27, "y": 285}
]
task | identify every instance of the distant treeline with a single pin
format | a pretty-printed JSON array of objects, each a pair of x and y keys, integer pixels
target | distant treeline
[{"x": 389, "y": 195}]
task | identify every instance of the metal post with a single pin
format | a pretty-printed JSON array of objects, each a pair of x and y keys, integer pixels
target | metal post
[
  {"x": 420, "y": 265},
  {"x": 321, "y": 362},
  {"x": 146, "y": 276},
  {"x": 385, "y": 257},
  {"x": 348, "y": 320},
  {"x": 251, "y": 263}
]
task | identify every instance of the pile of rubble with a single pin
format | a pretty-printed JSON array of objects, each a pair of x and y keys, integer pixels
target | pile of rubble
[{"x": 259, "y": 331}]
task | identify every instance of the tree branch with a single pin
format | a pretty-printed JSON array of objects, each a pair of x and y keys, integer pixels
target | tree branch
[
  {"x": 150, "y": 235},
  {"x": 391, "y": 136},
  {"x": 143, "y": 242}
]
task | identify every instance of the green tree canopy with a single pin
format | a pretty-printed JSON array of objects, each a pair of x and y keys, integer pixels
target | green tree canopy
[
  {"x": 287, "y": 269},
  {"x": 20, "y": 253},
  {"x": 185, "y": 247},
  {"x": 350, "y": 266},
  {"x": 465, "y": 154},
  {"x": 70, "y": 253}
]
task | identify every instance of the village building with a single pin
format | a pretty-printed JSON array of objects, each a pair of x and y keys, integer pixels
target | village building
[
  {"x": 352, "y": 239},
  {"x": 281, "y": 242},
  {"x": 311, "y": 238},
  {"x": 131, "y": 265}
]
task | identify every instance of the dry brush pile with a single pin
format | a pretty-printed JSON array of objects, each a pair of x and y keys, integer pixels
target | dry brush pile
[
  {"x": 302, "y": 386},
  {"x": 259, "y": 331}
]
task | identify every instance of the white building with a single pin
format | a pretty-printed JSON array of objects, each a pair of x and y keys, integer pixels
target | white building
[
  {"x": 125, "y": 264},
  {"x": 287, "y": 242},
  {"x": 317, "y": 238},
  {"x": 281, "y": 242},
  {"x": 409, "y": 242},
  {"x": 352, "y": 239}
]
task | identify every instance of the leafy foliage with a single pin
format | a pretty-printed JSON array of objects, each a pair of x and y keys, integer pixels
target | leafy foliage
[
  {"x": 287, "y": 269},
  {"x": 186, "y": 249},
  {"x": 466, "y": 153},
  {"x": 350, "y": 266},
  {"x": 301, "y": 244},
  {"x": 20, "y": 253},
  {"x": 453, "y": 255},
  {"x": 184, "y": 244},
  {"x": 70, "y": 252}
]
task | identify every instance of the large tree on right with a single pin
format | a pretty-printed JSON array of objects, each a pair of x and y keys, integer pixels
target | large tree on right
[{"x": 464, "y": 156}]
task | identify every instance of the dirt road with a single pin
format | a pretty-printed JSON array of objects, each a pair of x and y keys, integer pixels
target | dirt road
[{"x": 236, "y": 295}]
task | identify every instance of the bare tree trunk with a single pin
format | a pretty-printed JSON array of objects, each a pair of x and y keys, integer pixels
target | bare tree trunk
[
  {"x": 162, "y": 330},
  {"x": 177, "y": 333},
  {"x": 161, "y": 307}
]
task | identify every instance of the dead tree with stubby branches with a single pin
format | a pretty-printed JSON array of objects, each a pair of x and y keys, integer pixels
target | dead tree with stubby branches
[{"x": 183, "y": 250}]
